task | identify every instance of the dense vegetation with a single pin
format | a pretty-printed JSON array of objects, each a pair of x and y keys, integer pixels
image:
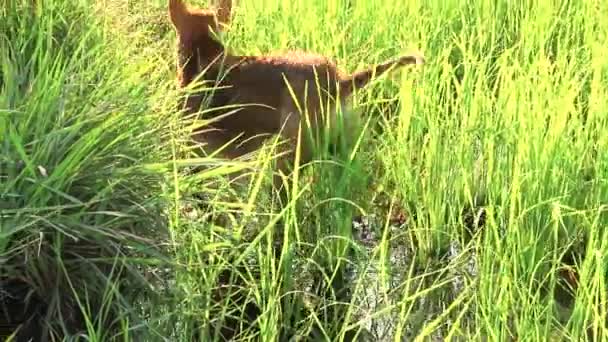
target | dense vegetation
[{"x": 473, "y": 205}]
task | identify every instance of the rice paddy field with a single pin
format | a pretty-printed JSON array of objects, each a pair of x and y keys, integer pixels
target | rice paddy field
[{"x": 473, "y": 206}]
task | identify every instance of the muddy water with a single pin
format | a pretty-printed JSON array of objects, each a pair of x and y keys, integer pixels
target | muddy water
[{"x": 380, "y": 294}]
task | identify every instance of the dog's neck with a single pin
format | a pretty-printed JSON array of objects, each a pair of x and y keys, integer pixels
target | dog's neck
[{"x": 193, "y": 57}]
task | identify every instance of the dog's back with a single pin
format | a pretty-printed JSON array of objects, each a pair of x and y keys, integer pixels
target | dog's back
[{"x": 262, "y": 96}]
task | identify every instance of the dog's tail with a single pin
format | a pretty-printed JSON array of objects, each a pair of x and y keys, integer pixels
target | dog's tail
[{"x": 361, "y": 78}]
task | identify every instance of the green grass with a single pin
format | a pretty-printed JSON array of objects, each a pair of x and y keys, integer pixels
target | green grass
[{"x": 478, "y": 186}]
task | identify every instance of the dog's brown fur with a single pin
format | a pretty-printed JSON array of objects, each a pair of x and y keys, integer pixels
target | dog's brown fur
[{"x": 271, "y": 105}]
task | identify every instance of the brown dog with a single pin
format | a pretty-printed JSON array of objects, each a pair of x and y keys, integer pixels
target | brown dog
[{"x": 276, "y": 94}]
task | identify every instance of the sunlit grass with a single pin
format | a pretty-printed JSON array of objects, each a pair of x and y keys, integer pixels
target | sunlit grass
[{"x": 475, "y": 194}]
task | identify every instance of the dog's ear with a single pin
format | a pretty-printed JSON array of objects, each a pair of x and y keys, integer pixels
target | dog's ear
[
  {"x": 224, "y": 11},
  {"x": 179, "y": 14},
  {"x": 190, "y": 22},
  {"x": 362, "y": 78}
]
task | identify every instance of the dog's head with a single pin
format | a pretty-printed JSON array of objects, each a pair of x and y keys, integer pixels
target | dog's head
[
  {"x": 195, "y": 28},
  {"x": 192, "y": 24}
]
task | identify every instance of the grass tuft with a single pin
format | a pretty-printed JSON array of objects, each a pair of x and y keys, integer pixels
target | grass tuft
[{"x": 471, "y": 206}]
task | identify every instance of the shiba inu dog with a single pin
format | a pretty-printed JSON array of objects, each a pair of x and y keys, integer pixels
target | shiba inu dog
[{"x": 286, "y": 94}]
